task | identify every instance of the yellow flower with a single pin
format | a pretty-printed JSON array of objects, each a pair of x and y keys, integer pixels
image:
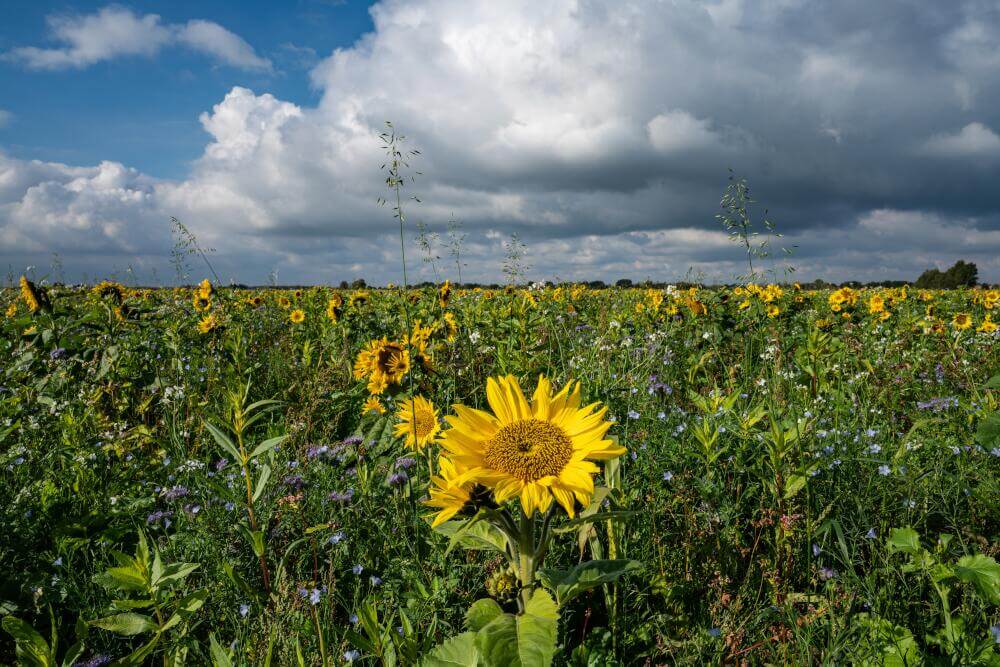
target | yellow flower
[
  {"x": 988, "y": 326},
  {"x": 452, "y": 325},
  {"x": 536, "y": 451},
  {"x": 297, "y": 316},
  {"x": 12, "y": 310},
  {"x": 108, "y": 288},
  {"x": 444, "y": 294},
  {"x": 418, "y": 423},
  {"x": 201, "y": 302},
  {"x": 382, "y": 362},
  {"x": 372, "y": 404},
  {"x": 32, "y": 297},
  {"x": 333, "y": 307},
  {"x": 284, "y": 302},
  {"x": 450, "y": 490},
  {"x": 205, "y": 289},
  {"x": 208, "y": 323},
  {"x": 876, "y": 304},
  {"x": 773, "y": 311},
  {"x": 255, "y": 301},
  {"x": 358, "y": 299},
  {"x": 961, "y": 321}
]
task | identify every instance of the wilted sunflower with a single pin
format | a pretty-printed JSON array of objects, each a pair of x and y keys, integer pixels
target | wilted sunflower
[
  {"x": 418, "y": 423},
  {"x": 536, "y": 451},
  {"x": 297, "y": 316},
  {"x": 450, "y": 490}
]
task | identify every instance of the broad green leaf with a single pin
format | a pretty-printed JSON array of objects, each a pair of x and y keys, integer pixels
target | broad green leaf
[
  {"x": 267, "y": 446},
  {"x": 497, "y": 642},
  {"x": 480, "y": 613},
  {"x": 30, "y": 646},
  {"x": 220, "y": 657},
  {"x": 884, "y": 644},
  {"x": 479, "y": 536},
  {"x": 904, "y": 539},
  {"x": 988, "y": 433},
  {"x": 224, "y": 441},
  {"x": 982, "y": 572},
  {"x": 538, "y": 630},
  {"x": 186, "y": 606},
  {"x": 126, "y": 624},
  {"x": 174, "y": 572},
  {"x": 796, "y": 483},
  {"x": 993, "y": 382},
  {"x": 459, "y": 651},
  {"x": 567, "y": 584},
  {"x": 126, "y": 578}
]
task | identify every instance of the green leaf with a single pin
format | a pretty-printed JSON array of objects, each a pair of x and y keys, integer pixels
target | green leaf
[
  {"x": 174, "y": 572},
  {"x": 904, "y": 539},
  {"x": 267, "y": 446},
  {"x": 479, "y": 536},
  {"x": 537, "y": 631},
  {"x": 224, "y": 441},
  {"x": 796, "y": 482},
  {"x": 126, "y": 624},
  {"x": 993, "y": 382},
  {"x": 527, "y": 640},
  {"x": 30, "y": 646},
  {"x": 220, "y": 657},
  {"x": 186, "y": 606},
  {"x": 567, "y": 584},
  {"x": 126, "y": 578},
  {"x": 884, "y": 644},
  {"x": 982, "y": 572},
  {"x": 480, "y": 613},
  {"x": 497, "y": 642},
  {"x": 572, "y": 524},
  {"x": 265, "y": 474},
  {"x": 459, "y": 651},
  {"x": 988, "y": 433}
]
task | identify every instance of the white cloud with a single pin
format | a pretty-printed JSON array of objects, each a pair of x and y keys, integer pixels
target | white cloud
[
  {"x": 975, "y": 139},
  {"x": 115, "y": 31},
  {"x": 600, "y": 132},
  {"x": 5, "y": 117}
]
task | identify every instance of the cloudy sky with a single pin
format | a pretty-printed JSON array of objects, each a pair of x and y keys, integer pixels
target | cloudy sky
[{"x": 601, "y": 132}]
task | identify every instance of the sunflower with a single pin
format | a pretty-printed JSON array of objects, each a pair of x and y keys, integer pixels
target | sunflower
[
  {"x": 961, "y": 321},
  {"x": 255, "y": 301},
  {"x": 201, "y": 302},
  {"x": 444, "y": 294},
  {"x": 284, "y": 302},
  {"x": 383, "y": 362},
  {"x": 452, "y": 325},
  {"x": 297, "y": 316},
  {"x": 536, "y": 451},
  {"x": 358, "y": 299},
  {"x": 773, "y": 311},
  {"x": 12, "y": 310},
  {"x": 418, "y": 423},
  {"x": 107, "y": 288},
  {"x": 34, "y": 298},
  {"x": 208, "y": 323},
  {"x": 205, "y": 289},
  {"x": 988, "y": 326},
  {"x": 372, "y": 404},
  {"x": 333, "y": 307},
  {"x": 450, "y": 491}
]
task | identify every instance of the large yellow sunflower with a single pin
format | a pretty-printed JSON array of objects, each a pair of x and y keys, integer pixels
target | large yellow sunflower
[
  {"x": 537, "y": 451},
  {"x": 418, "y": 423},
  {"x": 450, "y": 490}
]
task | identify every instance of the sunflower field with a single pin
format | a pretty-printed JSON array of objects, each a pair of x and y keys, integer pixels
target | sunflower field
[{"x": 554, "y": 474}]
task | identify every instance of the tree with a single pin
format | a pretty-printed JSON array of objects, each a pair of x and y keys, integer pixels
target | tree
[{"x": 961, "y": 274}]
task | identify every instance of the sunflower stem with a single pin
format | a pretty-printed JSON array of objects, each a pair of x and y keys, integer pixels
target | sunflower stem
[{"x": 526, "y": 560}]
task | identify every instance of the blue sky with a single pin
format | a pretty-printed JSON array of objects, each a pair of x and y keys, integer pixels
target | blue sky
[
  {"x": 143, "y": 111},
  {"x": 602, "y": 133}
]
